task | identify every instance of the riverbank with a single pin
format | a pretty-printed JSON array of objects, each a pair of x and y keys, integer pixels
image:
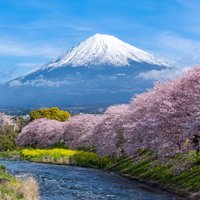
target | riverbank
[
  {"x": 146, "y": 168},
  {"x": 73, "y": 183},
  {"x": 66, "y": 157},
  {"x": 12, "y": 188},
  {"x": 142, "y": 166}
]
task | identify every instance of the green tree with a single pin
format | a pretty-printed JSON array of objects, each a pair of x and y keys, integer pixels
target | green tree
[
  {"x": 7, "y": 138},
  {"x": 50, "y": 113}
]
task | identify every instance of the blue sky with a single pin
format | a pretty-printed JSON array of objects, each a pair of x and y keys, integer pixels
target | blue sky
[{"x": 33, "y": 32}]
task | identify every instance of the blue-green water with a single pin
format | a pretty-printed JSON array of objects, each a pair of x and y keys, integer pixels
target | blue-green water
[{"x": 75, "y": 183}]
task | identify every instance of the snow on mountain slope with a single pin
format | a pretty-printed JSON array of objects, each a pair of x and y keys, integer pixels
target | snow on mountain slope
[
  {"x": 102, "y": 50},
  {"x": 97, "y": 52},
  {"x": 102, "y": 70}
]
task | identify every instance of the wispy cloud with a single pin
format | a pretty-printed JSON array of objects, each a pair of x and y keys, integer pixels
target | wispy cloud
[
  {"x": 176, "y": 49},
  {"x": 38, "y": 83},
  {"x": 6, "y": 73},
  {"x": 166, "y": 74}
]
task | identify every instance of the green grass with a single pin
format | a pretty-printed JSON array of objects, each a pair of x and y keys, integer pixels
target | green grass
[
  {"x": 12, "y": 188},
  {"x": 9, "y": 186},
  {"x": 148, "y": 167},
  {"x": 65, "y": 156}
]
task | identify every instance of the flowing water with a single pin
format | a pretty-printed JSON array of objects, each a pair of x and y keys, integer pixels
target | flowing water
[{"x": 75, "y": 183}]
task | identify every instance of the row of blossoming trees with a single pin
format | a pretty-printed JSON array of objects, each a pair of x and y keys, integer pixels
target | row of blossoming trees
[{"x": 165, "y": 120}]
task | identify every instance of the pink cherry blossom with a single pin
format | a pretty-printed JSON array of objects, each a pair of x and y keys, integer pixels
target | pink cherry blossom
[
  {"x": 79, "y": 131},
  {"x": 161, "y": 118},
  {"x": 41, "y": 133},
  {"x": 5, "y": 120},
  {"x": 109, "y": 132},
  {"x": 166, "y": 120}
]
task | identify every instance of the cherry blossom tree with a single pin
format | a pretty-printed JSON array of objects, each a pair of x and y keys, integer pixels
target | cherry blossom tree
[
  {"x": 79, "y": 131},
  {"x": 109, "y": 132},
  {"x": 160, "y": 119},
  {"x": 166, "y": 120},
  {"x": 41, "y": 133},
  {"x": 5, "y": 120}
]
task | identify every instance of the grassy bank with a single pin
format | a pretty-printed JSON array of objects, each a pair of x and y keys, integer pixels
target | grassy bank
[
  {"x": 12, "y": 188},
  {"x": 166, "y": 174},
  {"x": 180, "y": 175},
  {"x": 60, "y": 156}
]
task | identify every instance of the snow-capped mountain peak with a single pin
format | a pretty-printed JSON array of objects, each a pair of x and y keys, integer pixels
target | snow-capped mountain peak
[
  {"x": 103, "y": 50},
  {"x": 101, "y": 69}
]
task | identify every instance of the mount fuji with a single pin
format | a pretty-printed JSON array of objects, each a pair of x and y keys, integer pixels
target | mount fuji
[{"x": 101, "y": 70}]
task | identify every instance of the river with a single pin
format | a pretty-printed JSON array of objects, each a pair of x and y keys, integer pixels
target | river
[{"x": 76, "y": 183}]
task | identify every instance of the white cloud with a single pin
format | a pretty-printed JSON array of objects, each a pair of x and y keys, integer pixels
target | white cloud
[
  {"x": 38, "y": 82},
  {"x": 177, "y": 50},
  {"x": 5, "y": 73},
  {"x": 165, "y": 74},
  {"x": 15, "y": 83}
]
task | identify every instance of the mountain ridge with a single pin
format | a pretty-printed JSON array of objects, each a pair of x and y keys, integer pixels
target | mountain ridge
[
  {"x": 102, "y": 70},
  {"x": 101, "y": 50}
]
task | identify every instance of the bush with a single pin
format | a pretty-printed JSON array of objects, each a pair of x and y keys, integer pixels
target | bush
[
  {"x": 2, "y": 168},
  {"x": 53, "y": 113},
  {"x": 7, "y": 138},
  {"x": 13, "y": 188},
  {"x": 20, "y": 122},
  {"x": 89, "y": 159}
]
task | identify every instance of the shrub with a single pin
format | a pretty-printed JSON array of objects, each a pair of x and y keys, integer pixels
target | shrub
[
  {"x": 53, "y": 113},
  {"x": 20, "y": 122},
  {"x": 29, "y": 189},
  {"x": 2, "y": 168},
  {"x": 7, "y": 138},
  {"x": 13, "y": 188}
]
